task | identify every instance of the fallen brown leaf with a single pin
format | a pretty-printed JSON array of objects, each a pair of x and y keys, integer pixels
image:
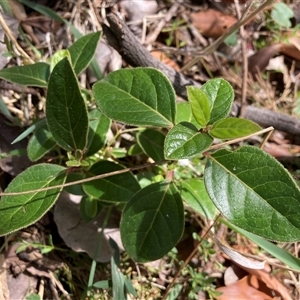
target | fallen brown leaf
[
  {"x": 161, "y": 56},
  {"x": 212, "y": 23},
  {"x": 246, "y": 288}
]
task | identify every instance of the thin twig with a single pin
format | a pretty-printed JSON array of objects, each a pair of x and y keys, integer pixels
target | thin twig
[
  {"x": 151, "y": 38},
  {"x": 128, "y": 169},
  {"x": 14, "y": 41}
]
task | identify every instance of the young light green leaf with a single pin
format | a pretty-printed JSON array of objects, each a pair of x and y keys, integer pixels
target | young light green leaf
[
  {"x": 152, "y": 222},
  {"x": 200, "y": 105},
  {"x": 66, "y": 111},
  {"x": 19, "y": 211},
  {"x": 32, "y": 75},
  {"x": 253, "y": 191},
  {"x": 220, "y": 95},
  {"x": 152, "y": 143},
  {"x": 194, "y": 194},
  {"x": 83, "y": 50},
  {"x": 40, "y": 143},
  {"x": 231, "y": 128},
  {"x": 281, "y": 14},
  {"x": 117, "y": 188},
  {"x": 58, "y": 56},
  {"x": 141, "y": 96},
  {"x": 185, "y": 141},
  {"x": 99, "y": 125},
  {"x": 184, "y": 114}
]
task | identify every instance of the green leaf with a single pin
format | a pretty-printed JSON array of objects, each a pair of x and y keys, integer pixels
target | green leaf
[
  {"x": 194, "y": 194},
  {"x": 89, "y": 208},
  {"x": 152, "y": 143},
  {"x": 4, "y": 110},
  {"x": 200, "y": 105},
  {"x": 281, "y": 14},
  {"x": 99, "y": 125},
  {"x": 253, "y": 191},
  {"x": 57, "y": 57},
  {"x": 83, "y": 50},
  {"x": 231, "y": 128},
  {"x": 20, "y": 211},
  {"x": 75, "y": 189},
  {"x": 279, "y": 253},
  {"x": 32, "y": 75},
  {"x": 220, "y": 95},
  {"x": 185, "y": 141},
  {"x": 118, "y": 279},
  {"x": 40, "y": 143},
  {"x": 135, "y": 149},
  {"x": 53, "y": 15},
  {"x": 184, "y": 114},
  {"x": 66, "y": 111},
  {"x": 29, "y": 130},
  {"x": 141, "y": 97},
  {"x": 152, "y": 222},
  {"x": 117, "y": 188}
]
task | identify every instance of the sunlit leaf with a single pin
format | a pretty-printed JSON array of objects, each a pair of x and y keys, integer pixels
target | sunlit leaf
[
  {"x": 185, "y": 141},
  {"x": 253, "y": 191},
  {"x": 152, "y": 222},
  {"x": 141, "y": 96},
  {"x": 23, "y": 210}
]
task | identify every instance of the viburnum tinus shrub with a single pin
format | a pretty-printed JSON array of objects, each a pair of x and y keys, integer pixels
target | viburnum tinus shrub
[{"x": 252, "y": 191}]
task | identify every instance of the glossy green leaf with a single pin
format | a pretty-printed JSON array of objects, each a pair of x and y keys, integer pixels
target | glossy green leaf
[
  {"x": 194, "y": 194},
  {"x": 30, "y": 75},
  {"x": 185, "y": 141},
  {"x": 83, "y": 50},
  {"x": 40, "y": 143},
  {"x": 99, "y": 125},
  {"x": 231, "y": 128},
  {"x": 141, "y": 96},
  {"x": 220, "y": 95},
  {"x": 184, "y": 114},
  {"x": 117, "y": 188},
  {"x": 200, "y": 105},
  {"x": 66, "y": 111},
  {"x": 152, "y": 143},
  {"x": 253, "y": 191},
  {"x": 20, "y": 211},
  {"x": 152, "y": 222},
  {"x": 279, "y": 253}
]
